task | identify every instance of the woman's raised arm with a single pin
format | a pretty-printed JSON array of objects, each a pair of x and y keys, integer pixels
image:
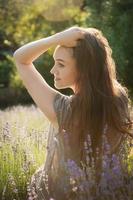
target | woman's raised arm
[{"x": 40, "y": 91}]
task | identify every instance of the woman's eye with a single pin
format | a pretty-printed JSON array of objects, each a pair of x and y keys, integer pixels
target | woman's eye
[{"x": 61, "y": 65}]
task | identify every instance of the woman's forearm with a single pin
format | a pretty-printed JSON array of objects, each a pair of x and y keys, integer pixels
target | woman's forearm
[{"x": 31, "y": 51}]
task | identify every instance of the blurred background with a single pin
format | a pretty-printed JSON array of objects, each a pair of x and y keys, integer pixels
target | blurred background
[
  {"x": 24, "y": 128},
  {"x": 22, "y": 21}
]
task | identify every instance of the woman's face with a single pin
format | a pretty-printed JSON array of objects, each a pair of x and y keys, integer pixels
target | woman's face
[{"x": 64, "y": 69}]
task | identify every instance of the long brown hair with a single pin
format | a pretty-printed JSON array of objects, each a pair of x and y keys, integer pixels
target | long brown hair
[{"x": 100, "y": 99}]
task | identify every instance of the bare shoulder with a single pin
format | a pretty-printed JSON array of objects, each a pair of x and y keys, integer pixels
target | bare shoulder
[{"x": 42, "y": 94}]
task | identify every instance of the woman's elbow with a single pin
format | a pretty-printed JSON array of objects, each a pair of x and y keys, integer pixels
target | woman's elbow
[{"x": 19, "y": 58}]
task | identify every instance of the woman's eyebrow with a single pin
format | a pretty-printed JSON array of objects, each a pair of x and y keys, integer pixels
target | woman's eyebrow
[{"x": 59, "y": 59}]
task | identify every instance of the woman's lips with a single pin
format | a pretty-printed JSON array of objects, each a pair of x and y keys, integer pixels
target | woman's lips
[{"x": 56, "y": 79}]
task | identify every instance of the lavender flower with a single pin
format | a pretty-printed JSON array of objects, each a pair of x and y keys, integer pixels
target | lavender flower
[{"x": 113, "y": 180}]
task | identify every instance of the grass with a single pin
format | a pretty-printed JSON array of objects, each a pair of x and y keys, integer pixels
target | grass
[{"x": 23, "y": 136}]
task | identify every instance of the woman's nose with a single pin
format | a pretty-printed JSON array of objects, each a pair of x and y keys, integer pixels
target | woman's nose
[{"x": 53, "y": 70}]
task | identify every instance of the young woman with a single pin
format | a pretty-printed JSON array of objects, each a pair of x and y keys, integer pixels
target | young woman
[{"x": 98, "y": 106}]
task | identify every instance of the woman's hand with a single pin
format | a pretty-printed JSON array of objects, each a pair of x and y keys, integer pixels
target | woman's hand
[{"x": 70, "y": 37}]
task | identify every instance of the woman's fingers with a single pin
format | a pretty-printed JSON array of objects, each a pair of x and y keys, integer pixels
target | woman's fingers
[{"x": 71, "y": 36}]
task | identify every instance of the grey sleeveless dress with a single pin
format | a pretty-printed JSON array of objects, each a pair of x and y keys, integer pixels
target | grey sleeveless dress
[{"x": 50, "y": 180}]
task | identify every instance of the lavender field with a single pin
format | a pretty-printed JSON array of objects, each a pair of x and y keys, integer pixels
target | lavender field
[{"x": 23, "y": 135}]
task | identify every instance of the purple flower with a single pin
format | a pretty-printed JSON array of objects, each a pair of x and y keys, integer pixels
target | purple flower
[{"x": 74, "y": 169}]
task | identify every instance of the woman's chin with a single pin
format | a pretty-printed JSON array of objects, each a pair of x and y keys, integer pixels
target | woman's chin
[{"x": 59, "y": 87}]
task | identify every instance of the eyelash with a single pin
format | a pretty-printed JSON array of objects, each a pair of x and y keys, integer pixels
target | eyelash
[{"x": 61, "y": 65}]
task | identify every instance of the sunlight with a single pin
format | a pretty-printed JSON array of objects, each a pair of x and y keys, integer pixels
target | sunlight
[{"x": 61, "y": 10}]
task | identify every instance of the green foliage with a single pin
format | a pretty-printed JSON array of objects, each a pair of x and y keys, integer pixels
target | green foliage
[
  {"x": 16, "y": 81},
  {"x": 114, "y": 18},
  {"x": 27, "y": 20},
  {"x": 6, "y": 70},
  {"x": 44, "y": 65}
]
